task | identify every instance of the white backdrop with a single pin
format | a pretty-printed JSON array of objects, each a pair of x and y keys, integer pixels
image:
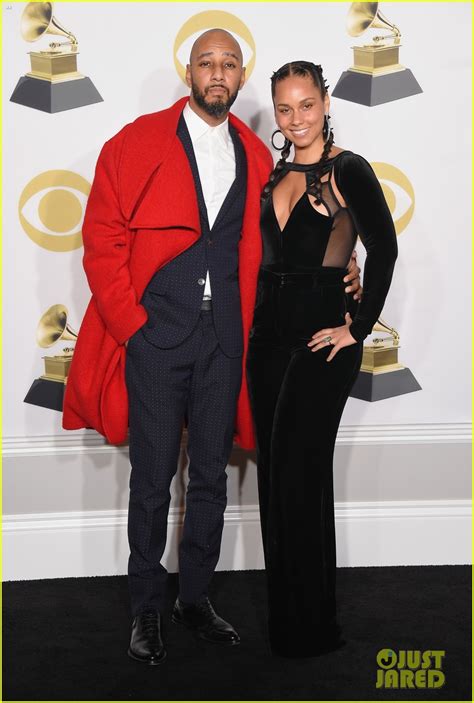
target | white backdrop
[{"x": 127, "y": 50}]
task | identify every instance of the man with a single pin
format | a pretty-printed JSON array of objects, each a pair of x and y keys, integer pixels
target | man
[{"x": 171, "y": 251}]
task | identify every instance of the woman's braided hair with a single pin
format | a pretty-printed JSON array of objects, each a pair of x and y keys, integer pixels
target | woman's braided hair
[{"x": 301, "y": 68}]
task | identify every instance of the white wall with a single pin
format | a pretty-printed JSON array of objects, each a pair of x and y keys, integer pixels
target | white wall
[{"x": 127, "y": 50}]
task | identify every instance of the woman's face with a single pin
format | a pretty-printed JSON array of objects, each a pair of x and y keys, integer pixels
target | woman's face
[{"x": 299, "y": 110}]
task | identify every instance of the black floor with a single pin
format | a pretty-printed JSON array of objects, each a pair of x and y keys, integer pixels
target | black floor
[{"x": 66, "y": 639}]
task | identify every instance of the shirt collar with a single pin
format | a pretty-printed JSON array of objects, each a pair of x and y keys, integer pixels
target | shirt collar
[{"x": 197, "y": 127}]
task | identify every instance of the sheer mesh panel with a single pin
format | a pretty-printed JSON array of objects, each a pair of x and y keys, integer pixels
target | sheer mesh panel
[{"x": 343, "y": 236}]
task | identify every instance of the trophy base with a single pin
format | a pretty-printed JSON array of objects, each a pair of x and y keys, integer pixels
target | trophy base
[
  {"x": 46, "y": 394},
  {"x": 367, "y": 89},
  {"x": 369, "y": 386},
  {"x": 55, "y": 97}
]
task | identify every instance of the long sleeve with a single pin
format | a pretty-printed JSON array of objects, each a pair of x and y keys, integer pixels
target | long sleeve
[
  {"x": 107, "y": 251},
  {"x": 366, "y": 202}
]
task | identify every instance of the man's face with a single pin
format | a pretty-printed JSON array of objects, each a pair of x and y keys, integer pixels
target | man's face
[{"x": 215, "y": 73}]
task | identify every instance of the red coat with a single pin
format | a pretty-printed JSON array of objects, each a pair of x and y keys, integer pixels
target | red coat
[{"x": 141, "y": 213}]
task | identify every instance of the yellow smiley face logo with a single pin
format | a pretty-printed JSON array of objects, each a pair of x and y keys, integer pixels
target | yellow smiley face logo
[
  {"x": 399, "y": 193},
  {"x": 54, "y": 220},
  {"x": 208, "y": 20},
  {"x": 386, "y": 658}
]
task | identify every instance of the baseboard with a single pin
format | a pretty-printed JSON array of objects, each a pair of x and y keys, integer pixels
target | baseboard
[
  {"x": 90, "y": 442},
  {"x": 94, "y": 543}
]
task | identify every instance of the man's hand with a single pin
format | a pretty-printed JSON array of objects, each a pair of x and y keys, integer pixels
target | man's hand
[{"x": 353, "y": 278}]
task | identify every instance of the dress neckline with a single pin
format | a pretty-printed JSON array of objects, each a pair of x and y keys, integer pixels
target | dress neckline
[
  {"x": 301, "y": 199},
  {"x": 291, "y": 166}
]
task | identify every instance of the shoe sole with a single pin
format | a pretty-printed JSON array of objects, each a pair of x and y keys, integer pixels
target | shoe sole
[
  {"x": 150, "y": 662},
  {"x": 202, "y": 636}
]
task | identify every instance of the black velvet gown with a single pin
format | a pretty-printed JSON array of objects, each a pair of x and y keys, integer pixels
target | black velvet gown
[{"x": 298, "y": 397}]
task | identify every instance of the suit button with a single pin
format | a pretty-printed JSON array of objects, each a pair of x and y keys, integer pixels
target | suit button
[
  {"x": 201, "y": 281},
  {"x": 209, "y": 241}
]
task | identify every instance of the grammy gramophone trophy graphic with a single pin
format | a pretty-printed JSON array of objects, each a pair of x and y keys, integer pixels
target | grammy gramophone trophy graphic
[
  {"x": 47, "y": 391},
  {"x": 376, "y": 76},
  {"x": 381, "y": 375},
  {"x": 54, "y": 84}
]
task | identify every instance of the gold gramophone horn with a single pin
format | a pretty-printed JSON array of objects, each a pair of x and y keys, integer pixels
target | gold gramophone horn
[
  {"x": 53, "y": 326},
  {"x": 382, "y": 326},
  {"x": 363, "y": 15},
  {"x": 37, "y": 19}
]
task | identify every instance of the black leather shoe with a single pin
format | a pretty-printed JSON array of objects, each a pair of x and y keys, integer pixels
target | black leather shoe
[
  {"x": 203, "y": 620},
  {"x": 146, "y": 644}
]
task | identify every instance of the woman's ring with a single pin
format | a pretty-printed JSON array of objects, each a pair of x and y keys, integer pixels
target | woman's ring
[{"x": 327, "y": 339}]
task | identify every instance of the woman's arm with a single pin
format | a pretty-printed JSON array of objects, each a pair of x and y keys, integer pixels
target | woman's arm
[{"x": 363, "y": 194}]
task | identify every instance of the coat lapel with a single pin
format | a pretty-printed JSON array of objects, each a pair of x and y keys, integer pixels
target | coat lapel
[
  {"x": 185, "y": 138},
  {"x": 156, "y": 182},
  {"x": 168, "y": 200}
]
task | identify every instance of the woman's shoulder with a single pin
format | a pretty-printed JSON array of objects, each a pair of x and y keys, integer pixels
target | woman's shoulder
[
  {"x": 337, "y": 151},
  {"x": 348, "y": 163},
  {"x": 345, "y": 155}
]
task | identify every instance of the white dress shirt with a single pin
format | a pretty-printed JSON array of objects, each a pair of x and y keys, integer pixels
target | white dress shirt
[{"x": 215, "y": 158}]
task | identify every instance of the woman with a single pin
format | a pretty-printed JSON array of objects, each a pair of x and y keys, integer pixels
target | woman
[{"x": 305, "y": 350}]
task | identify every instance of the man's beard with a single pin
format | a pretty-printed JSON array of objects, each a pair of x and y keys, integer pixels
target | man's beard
[{"x": 217, "y": 108}]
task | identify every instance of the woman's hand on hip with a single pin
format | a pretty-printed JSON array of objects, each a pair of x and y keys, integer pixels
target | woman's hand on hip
[{"x": 340, "y": 337}]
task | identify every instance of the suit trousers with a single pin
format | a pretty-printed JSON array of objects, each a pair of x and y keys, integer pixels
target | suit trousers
[
  {"x": 297, "y": 400},
  {"x": 197, "y": 381}
]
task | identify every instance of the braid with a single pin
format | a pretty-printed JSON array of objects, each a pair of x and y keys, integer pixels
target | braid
[
  {"x": 315, "y": 71},
  {"x": 315, "y": 187},
  {"x": 278, "y": 171}
]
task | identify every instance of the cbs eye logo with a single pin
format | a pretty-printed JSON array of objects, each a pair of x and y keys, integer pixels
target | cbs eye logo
[
  {"x": 208, "y": 20},
  {"x": 399, "y": 193},
  {"x": 51, "y": 209}
]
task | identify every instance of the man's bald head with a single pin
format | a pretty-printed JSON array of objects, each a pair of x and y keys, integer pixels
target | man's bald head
[
  {"x": 215, "y": 74},
  {"x": 215, "y": 37}
]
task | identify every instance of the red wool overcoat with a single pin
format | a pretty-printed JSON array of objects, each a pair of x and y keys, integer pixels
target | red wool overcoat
[{"x": 142, "y": 211}]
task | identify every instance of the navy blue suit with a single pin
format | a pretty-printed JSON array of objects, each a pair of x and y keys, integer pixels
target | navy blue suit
[{"x": 186, "y": 363}]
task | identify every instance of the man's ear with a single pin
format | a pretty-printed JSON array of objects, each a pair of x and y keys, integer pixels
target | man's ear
[
  {"x": 188, "y": 75},
  {"x": 242, "y": 78}
]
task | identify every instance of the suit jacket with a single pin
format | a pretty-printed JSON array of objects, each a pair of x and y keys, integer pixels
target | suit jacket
[
  {"x": 142, "y": 212},
  {"x": 173, "y": 298}
]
